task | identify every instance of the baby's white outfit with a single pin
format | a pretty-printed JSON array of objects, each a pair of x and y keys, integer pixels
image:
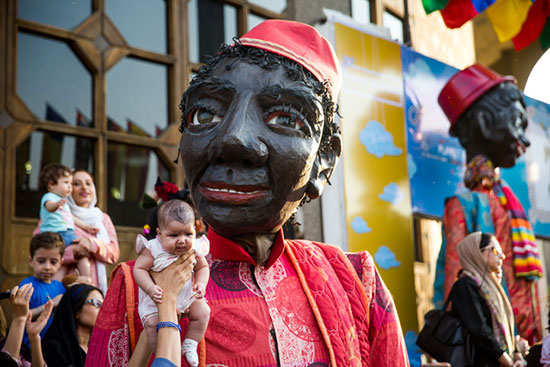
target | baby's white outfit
[{"x": 147, "y": 307}]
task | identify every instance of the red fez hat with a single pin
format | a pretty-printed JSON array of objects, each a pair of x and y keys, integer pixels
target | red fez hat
[
  {"x": 301, "y": 43},
  {"x": 465, "y": 87}
]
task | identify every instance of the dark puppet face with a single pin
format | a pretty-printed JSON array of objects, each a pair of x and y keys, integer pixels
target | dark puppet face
[
  {"x": 507, "y": 141},
  {"x": 249, "y": 146}
]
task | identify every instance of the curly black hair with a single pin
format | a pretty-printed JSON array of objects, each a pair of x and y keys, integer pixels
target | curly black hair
[
  {"x": 269, "y": 61},
  {"x": 493, "y": 103}
]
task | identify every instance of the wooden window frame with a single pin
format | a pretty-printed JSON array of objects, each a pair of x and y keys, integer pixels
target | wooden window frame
[
  {"x": 19, "y": 122},
  {"x": 164, "y": 147}
]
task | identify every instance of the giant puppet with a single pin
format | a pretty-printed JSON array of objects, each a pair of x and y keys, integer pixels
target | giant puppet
[
  {"x": 487, "y": 114},
  {"x": 258, "y": 139}
]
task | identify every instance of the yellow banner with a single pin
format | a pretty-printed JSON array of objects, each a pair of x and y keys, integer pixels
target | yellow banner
[{"x": 376, "y": 184}]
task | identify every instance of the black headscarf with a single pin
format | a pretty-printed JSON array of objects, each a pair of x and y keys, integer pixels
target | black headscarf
[{"x": 60, "y": 345}]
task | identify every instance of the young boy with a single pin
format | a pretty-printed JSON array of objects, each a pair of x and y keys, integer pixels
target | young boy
[
  {"x": 175, "y": 236},
  {"x": 46, "y": 257},
  {"x": 55, "y": 213}
]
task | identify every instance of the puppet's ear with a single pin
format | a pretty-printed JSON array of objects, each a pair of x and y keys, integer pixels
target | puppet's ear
[
  {"x": 484, "y": 123},
  {"x": 475, "y": 131},
  {"x": 323, "y": 166}
]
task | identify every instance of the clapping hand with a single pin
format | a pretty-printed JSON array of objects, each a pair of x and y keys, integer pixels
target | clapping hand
[
  {"x": 19, "y": 300},
  {"x": 34, "y": 328}
]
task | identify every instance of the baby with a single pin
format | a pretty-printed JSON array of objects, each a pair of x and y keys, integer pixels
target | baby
[
  {"x": 55, "y": 212},
  {"x": 175, "y": 236}
]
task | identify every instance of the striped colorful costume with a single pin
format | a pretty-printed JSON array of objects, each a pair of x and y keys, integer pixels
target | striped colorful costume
[{"x": 494, "y": 209}]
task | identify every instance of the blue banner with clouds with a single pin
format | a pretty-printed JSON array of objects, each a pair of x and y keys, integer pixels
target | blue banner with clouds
[{"x": 435, "y": 159}]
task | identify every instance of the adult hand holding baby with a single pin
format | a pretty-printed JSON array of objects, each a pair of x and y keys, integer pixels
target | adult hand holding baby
[
  {"x": 81, "y": 248},
  {"x": 173, "y": 277}
]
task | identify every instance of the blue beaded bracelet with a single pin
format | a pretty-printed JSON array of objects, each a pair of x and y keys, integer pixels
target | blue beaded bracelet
[{"x": 168, "y": 324}]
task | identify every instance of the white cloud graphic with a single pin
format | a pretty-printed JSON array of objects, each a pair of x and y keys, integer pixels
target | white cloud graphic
[{"x": 377, "y": 140}]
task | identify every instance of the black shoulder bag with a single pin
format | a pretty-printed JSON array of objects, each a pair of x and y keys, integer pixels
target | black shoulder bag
[{"x": 444, "y": 338}]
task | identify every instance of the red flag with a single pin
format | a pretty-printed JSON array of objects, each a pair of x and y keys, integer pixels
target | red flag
[
  {"x": 533, "y": 25},
  {"x": 458, "y": 12}
]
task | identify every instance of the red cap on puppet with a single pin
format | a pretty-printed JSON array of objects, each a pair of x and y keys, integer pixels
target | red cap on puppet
[
  {"x": 301, "y": 43},
  {"x": 465, "y": 87}
]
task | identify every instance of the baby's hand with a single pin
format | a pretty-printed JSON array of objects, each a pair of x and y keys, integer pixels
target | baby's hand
[
  {"x": 60, "y": 204},
  {"x": 91, "y": 230},
  {"x": 200, "y": 289},
  {"x": 155, "y": 292}
]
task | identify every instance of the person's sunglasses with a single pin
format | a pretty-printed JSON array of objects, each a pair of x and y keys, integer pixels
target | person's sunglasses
[{"x": 94, "y": 302}]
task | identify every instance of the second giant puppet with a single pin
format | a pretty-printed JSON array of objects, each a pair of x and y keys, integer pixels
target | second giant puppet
[{"x": 487, "y": 114}]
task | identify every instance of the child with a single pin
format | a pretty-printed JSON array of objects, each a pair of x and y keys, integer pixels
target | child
[
  {"x": 55, "y": 213},
  {"x": 175, "y": 236},
  {"x": 46, "y": 257}
]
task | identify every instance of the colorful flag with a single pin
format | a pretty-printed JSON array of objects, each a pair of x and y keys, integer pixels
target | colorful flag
[
  {"x": 508, "y": 16},
  {"x": 432, "y": 5},
  {"x": 522, "y": 21},
  {"x": 458, "y": 12},
  {"x": 537, "y": 20}
]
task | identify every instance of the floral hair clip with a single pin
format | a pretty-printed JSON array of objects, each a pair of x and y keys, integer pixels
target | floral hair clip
[
  {"x": 166, "y": 190},
  {"x": 146, "y": 229},
  {"x": 163, "y": 190}
]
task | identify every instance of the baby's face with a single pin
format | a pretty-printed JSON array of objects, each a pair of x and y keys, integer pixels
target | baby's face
[
  {"x": 63, "y": 187},
  {"x": 176, "y": 237}
]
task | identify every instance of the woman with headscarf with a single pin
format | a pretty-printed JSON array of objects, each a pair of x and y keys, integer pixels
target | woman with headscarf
[
  {"x": 100, "y": 248},
  {"x": 481, "y": 303},
  {"x": 66, "y": 341}
]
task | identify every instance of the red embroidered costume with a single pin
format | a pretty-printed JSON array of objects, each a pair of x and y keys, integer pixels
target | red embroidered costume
[{"x": 309, "y": 306}]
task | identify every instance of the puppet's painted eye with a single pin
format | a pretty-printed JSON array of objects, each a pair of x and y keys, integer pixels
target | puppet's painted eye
[
  {"x": 203, "y": 116},
  {"x": 283, "y": 119},
  {"x": 286, "y": 117}
]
